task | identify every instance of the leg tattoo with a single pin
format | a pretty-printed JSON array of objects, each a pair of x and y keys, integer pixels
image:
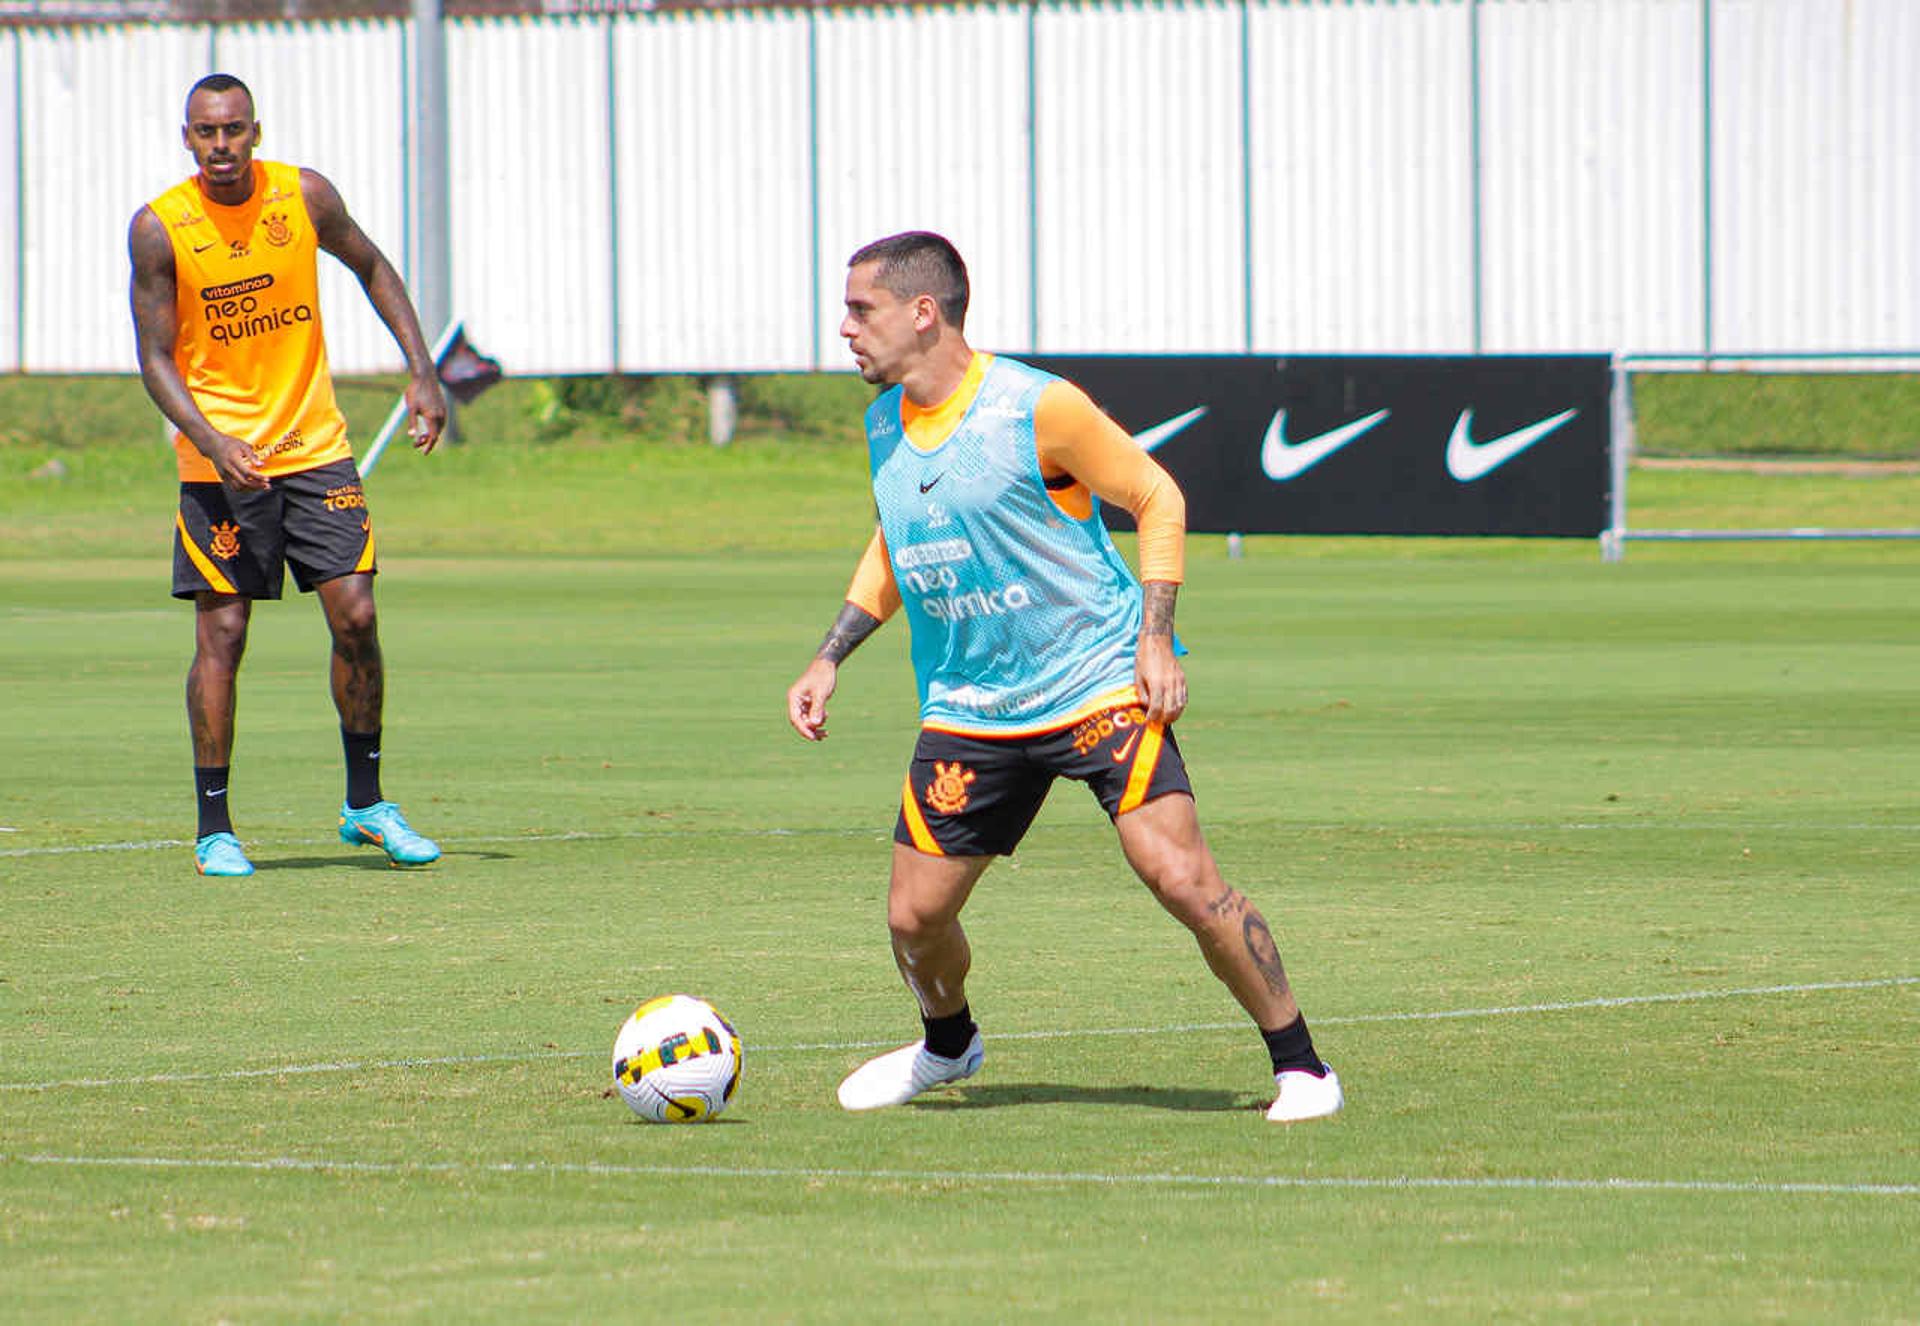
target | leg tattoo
[
  {"x": 359, "y": 681},
  {"x": 1230, "y": 902},
  {"x": 212, "y": 738},
  {"x": 1265, "y": 953}
]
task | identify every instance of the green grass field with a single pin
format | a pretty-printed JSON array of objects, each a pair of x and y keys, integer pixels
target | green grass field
[
  {"x": 1832, "y": 416},
  {"x": 1597, "y": 883}
]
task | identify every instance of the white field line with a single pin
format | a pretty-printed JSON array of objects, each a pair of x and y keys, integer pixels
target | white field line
[
  {"x": 454, "y": 1061},
  {"x": 879, "y": 832},
  {"x": 152, "y": 846},
  {"x": 977, "y": 1178},
  {"x": 571, "y": 836}
]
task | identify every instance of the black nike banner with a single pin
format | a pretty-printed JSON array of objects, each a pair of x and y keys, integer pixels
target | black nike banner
[{"x": 1334, "y": 444}]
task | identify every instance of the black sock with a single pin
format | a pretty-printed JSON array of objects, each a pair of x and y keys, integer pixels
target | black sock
[
  {"x": 1292, "y": 1049},
  {"x": 949, "y": 1036},
  {"x": 210, "y": 795},
  {"x": 363, "y": 767}
]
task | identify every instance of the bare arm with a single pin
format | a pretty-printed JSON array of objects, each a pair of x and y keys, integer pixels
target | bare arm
[
  {"x": 1157, "y": 673},
  {"x": 849, "y": 629},
  {"x": 156, "y": 330},
  {"x": 340, "y": 235},
  {"x": 872, "y": 582}
]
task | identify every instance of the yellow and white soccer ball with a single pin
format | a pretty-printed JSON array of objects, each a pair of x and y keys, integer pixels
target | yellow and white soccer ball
[{"x": 676, "y": 1060}]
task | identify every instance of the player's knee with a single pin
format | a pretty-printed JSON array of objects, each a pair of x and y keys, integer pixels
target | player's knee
[
  {"x": 219, "y": 648},
  {"x": 914, "y": 921},
  {"x": 908, "y": 925},
  {"x": 354, "y": 623},
  {"x": 1182, "y": 883}
]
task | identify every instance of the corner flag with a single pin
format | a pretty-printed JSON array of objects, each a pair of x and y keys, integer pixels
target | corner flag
[{"x": 462, "y": 370}]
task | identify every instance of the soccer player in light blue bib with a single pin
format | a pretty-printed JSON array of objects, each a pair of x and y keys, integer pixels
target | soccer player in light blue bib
[{"x": 1037, "y": 655}]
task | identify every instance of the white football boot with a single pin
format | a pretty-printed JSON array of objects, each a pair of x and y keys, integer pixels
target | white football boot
[
  {"x": 899, "y": 1075},
  {"x": 1304, "y": 1096}
]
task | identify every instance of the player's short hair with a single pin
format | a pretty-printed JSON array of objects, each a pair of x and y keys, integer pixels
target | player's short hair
[
  {"x": 221, "y": 83},
  {"x": 919, "y": 262}
]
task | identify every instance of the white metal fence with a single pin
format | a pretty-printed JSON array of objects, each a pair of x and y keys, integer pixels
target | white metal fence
[{"x": 679, "y": 191}]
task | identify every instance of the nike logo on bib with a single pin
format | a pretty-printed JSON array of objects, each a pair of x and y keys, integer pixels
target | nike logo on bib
[
  {"x": 1283, "y": 460},
  {"x": 931, "y": 482},
  {"x": 1468, "y": 460}
]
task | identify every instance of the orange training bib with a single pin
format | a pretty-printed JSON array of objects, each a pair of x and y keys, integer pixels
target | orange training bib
[{"x": 251, "y": 346}]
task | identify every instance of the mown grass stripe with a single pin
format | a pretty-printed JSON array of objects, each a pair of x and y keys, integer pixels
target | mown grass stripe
[
  {"x": 448, "y": 1061},
  {"x": 975, "y": 1178},
  {"x": 452, "y": 842}
]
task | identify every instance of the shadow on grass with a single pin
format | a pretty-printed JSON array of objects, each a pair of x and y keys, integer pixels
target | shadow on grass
[
  {"x": 261, "y": 867},
  {"x": 372, "y": 861},
  {"x": 1004, "y": 1095}
]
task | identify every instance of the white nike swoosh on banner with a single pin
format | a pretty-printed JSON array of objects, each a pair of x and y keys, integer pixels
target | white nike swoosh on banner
[
  {"x": 1283, "y": 460},
  {"x": 1149, "y": 438},
  {"x": 1468, "y": 460}
]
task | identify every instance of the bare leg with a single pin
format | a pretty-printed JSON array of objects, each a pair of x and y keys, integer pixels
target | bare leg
[
  {"x": 357, "y": 674},
  {"x": 924, "y": 898},
  {"x": 219, "y": 640},
  {"x": 1165, "y": 847}
]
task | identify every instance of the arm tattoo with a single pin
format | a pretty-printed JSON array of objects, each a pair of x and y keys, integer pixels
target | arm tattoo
[
  {"x": 1157, "y": 608},
  {"x": 852, "y": 626}
]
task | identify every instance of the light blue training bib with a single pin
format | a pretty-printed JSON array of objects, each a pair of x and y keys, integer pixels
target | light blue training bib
[{"x": 1021, "y": 615}]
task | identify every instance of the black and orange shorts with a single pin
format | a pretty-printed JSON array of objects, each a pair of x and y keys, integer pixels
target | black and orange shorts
[
  {"x": 241, "y": 543},
  {"x": 977, "y": 796}
]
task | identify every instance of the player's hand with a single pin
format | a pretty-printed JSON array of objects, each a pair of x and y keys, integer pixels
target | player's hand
[
  {"x": 427, "y": 406},
  {"x": 1160, "y": 680},
  {"x": 238, "y": 467},
  {"x": 807, "y": 699}
]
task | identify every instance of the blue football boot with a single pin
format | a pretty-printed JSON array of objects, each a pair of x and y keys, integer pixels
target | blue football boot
[
  {"x": 382, "y": 825},
  {"x": 220, "y": 854}
]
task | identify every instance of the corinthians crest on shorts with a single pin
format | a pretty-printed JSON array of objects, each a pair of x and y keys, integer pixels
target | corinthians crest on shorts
[
  {"x": 224, "y": 540},
  {"x": 947, "y": 793}
]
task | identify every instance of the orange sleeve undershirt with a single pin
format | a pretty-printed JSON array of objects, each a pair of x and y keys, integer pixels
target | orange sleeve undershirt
[
  {"x": 873, "y": 589},
  {"x": 1074, "y": 437}
]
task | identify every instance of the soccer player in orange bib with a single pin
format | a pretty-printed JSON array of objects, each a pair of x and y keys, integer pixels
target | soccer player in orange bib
[
  {"x": 226, "y": 314},
  {"x": 1037, "y": 653}
]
